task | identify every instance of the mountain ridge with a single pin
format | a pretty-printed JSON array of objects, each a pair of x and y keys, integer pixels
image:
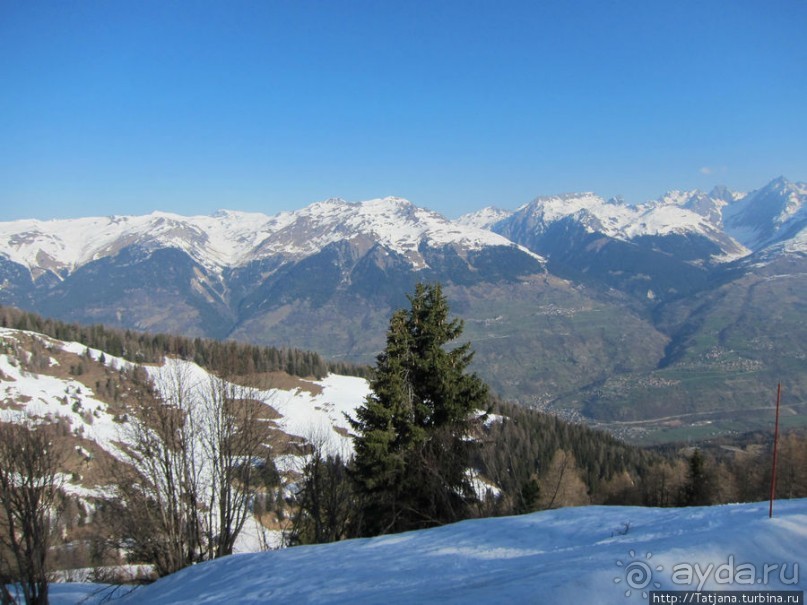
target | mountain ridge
[
  {"x": 232, "y": 238},
  {"x": 229, "y": 238}
]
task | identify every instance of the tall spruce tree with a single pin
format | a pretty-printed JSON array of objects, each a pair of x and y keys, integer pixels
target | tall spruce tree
[{"x": 412, "y": 450}]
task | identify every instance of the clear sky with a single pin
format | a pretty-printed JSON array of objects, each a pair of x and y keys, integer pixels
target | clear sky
[{"x": 129, "y": 106}]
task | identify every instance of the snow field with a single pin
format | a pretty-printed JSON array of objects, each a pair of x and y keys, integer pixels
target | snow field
[{"x": 573, "y": 555}]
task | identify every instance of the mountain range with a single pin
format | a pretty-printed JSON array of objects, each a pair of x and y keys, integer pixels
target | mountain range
[{"x": 680, "y": 314}]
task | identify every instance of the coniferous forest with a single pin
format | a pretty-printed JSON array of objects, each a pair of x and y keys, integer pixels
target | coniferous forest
[{"x": 225, "y": 357}]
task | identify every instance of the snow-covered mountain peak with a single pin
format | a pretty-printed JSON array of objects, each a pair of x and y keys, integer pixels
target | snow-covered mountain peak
[
  {"x": 568, "y": 203},
  {"x": 789, "y": 192},
  {"x": 708, "y": 205},
  {"x": 596, "y": 214},
  {"x": 213, "y": 241},
  {"x": 677, "y": 197},
  {"x": 337, "y": 207},
  {"x": 483, "y": 219},
  {"x": 663, "y": 219},
  {"x": 722, "y": 192},
  {"x": 768, "y": 215},
  {"x": 780, "y": 183},
  {"x": 679, "y": 213},
  {"x": 335, "y": 201},
  {"x": 393, "y": 222}
]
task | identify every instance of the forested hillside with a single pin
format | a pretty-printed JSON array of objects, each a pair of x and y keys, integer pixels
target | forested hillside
[{"x": 225, "y": 357}]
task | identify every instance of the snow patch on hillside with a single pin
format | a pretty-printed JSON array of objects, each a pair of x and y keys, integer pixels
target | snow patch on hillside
[
  {"x": 48, "y": 398},
  {"x": 303, "y": 413}
]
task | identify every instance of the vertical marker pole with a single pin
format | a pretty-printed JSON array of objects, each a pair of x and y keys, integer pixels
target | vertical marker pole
[{"x": 775, "y": 449}]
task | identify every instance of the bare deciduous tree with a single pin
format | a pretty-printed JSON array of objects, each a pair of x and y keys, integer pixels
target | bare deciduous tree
[
  {"x": 30, "y": 462},
  {"x": 235, "y": 433},
  {"x": 192, "y": 454},
  {"x": 161, "y": 489}
]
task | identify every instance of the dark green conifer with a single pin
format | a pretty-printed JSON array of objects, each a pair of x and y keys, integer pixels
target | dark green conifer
[{"x": 412, "y": 447}]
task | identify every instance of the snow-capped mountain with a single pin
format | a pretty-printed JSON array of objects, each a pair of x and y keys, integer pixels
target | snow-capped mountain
[
  {"x": 768, "y": 216},
  {"x": 657, "y": 251},
  {"x": 231, "y": 239},
  {"x": 677, "y": 214},
  {"x": 394, "y": 223},
  {"x": 483, "y": 219},
  {"x": 63, "y": 246},
  {"x": 733, "y": 225},
  {"x": 661, "y": 249},
  {"x": 736, "y": 223},
  {"x": 709, "y": 204}
]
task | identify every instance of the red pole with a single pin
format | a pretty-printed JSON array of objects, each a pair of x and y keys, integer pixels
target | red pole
[{"x": 775, "y": 450}]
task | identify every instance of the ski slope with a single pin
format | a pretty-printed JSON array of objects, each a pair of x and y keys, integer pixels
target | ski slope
[{"x": 581, "y": 555}]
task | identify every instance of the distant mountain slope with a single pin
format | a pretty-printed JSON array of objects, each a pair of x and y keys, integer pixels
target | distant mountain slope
[
  {"x": 483, "y": 219},
  {"x": 660, "y": 250},
  {"x": 775, "y": 213}
]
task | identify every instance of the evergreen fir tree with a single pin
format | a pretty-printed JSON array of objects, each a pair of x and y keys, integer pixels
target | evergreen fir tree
[
  {"x": 697, "y": 490},
  {"x": 411, "y": 441}
]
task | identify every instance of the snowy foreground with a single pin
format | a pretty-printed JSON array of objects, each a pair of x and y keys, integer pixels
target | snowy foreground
[{"x": 581, "y": 555}]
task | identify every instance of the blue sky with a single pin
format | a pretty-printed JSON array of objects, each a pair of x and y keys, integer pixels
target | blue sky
[{"x": 125, "y": 107}]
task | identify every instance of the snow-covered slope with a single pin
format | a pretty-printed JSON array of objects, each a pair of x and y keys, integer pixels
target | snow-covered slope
[
  {"x": 739, "y": 223},
  {"x": 604, "y": 555},
  {"x": 230, "y": 239},
  {"x": 678, "y": 213},
  {"x": 770, "y": 215},
  {"x": 315, "y": 408},
  {"x": 393, "y": 222},
  {"x": 62, "y": 246},
  {"x": 49, "y": 397},
  {"x": 483, "y": 219}
]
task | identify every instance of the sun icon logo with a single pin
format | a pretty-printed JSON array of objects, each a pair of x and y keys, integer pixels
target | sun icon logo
[{"x": 638, "y": 573}]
